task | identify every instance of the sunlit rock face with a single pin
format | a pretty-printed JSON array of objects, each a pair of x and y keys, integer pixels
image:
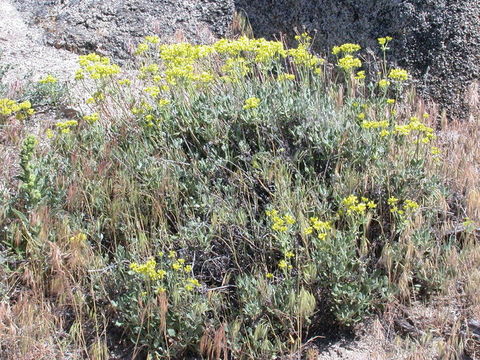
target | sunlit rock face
[{"x": 114, "y": 27}]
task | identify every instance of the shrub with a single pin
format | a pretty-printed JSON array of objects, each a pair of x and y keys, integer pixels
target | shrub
[{"x": 239, "y": 198}]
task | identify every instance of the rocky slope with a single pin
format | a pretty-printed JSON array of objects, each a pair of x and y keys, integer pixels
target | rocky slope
[{"x": 114, "y": 27}]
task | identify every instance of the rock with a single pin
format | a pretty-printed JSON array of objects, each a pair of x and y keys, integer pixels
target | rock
[
  {"x": 437, "y": 40},
  {"x": 114, "y": 27}
]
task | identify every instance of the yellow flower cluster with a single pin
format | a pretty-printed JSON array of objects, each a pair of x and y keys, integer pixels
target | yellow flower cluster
[
  {"x": 375, "y": 124},
  {"x": 383, "y": 41},
  {"x": 179, "y": 274},
  {"x": 179, "y": 265},
  {"x": 384, "y": 83},
  {"x": 153, "y": 91},
  {"x": 10, "y": 107},
  {"x": 349, "y": 62},
  {"x": 284, "y": 265},
  {"x": 321, "y": 227},
  {"x": 301, "y": 56},
  {"x": 49, "y": 79},
  {"x": 191, "y": 284},
  {"x": 184, "y": 61},
  {"x": 251, "y": 103},
  {"x": 79, "y": 238},
  {"x": 347, "y": 48},
  {"x": 360, "y": 75},
  {"x": 141, "y": 49},
  {"x": 285, "y": 77},
  {"x": 92, "y": 118},
  {"x": 262, "y": 50},
  {"x": 398, "y": 74},
  {"x": 148, "y": 270},
  {"x": 416, "y": 126},
  {"x": 280, "y": 223},
  {"x": 124, "y": 82},
  {"x": 408, "y": 206},
  {"x": 152, "y": 39},
  {"x": 66, "y": 126},
  {"x": 236, "y": 68},
  {"x": 96, "y": 67},
  {"x": 96, "y": 98},
  {"x": 356, "y": 206}
]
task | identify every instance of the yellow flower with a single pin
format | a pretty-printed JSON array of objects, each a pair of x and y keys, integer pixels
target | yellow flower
[
  {"x": 65, "y": 126},
  {"x": 285, "y": 77},
  {"x": 152, "y": 39},
  {"x": 269, "y": 275},
  {"x": 161, "y": 274},
  {"x": 360, "y": 75},
  {"x": 371, "y": 205},
  {"x": 271, "y": 213},
  {"x": 290, "y": 220},
  {"x": 49, "y": 79},
  {"x": 398, "y": 74},
  {"x": 153, "y": 91},
  {"x": 125, "y": 82},
  {"x": 410, "y": 205},
  {"x": 308, "y": 230},
  {"x": 374, "y": 124},
  {"x": 96, "y": 66},
  {"x": 163, "y": 102},
  {"x": 92, "y": 118},
  {"x": 282, "y": 264},
  {"x": 384, "y": 40},
  {"x": 194, "y": 282},
  {"x": 390, "y": 101},
  {"x": 289, "y": 254},
  {"x": 49, "y": 133},
  {"x": 347, "y": 48},
  {"x": 384, "y": 83},
  {"x": 251, "y": 103},
  {"x": 349, "y": 62},
  {"x": 435, "y": 150},
  {"x": 392, "y": 200},
  {"x": 177, "y": 266},
  {"x": 322, "y": 236},
  {"x": 141, "y": 48}
]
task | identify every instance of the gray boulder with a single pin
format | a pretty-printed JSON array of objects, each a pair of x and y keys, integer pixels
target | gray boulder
[
  {"x": 114, "y": 27},
  {"x": 437, "y": 40}
]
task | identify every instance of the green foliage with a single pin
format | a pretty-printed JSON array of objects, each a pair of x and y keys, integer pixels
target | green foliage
[
  {"x": 291, "y": 203},
  {"x": 30, "y": 184}
]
